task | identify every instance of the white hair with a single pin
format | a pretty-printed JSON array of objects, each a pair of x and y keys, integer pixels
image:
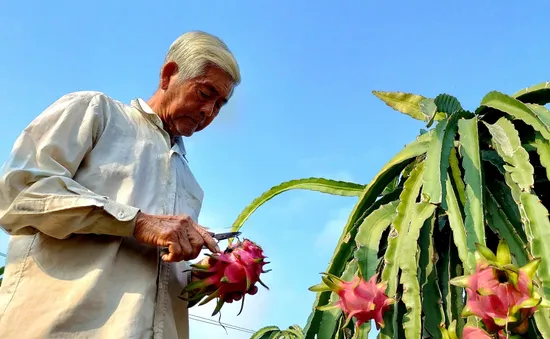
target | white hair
[{"x": 194, "y": 51}]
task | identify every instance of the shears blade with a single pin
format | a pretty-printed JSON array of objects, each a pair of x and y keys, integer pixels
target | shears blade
[{"x": 223, "y": 236}]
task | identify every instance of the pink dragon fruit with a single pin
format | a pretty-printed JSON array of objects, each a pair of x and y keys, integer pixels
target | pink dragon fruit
[
  {"x": 499, "y": 293},
  {"x": 358, "y": 298},
  {"x": 471, "y": 332},
  {"x": 227, "y": 276}
]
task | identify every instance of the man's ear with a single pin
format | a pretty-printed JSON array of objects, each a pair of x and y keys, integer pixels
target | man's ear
[{"x": 169, "y": 70}]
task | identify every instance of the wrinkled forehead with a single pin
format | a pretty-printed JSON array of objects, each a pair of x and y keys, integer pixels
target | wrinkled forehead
[{"x": 220, "y": 86}]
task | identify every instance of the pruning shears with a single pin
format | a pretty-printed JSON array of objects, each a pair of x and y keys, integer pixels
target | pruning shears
[
  {"x": 217, "y": 236},
  {"x": 224, "y": 236}
]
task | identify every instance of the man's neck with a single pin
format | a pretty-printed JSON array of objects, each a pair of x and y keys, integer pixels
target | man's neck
[{"x": 154, "y": 102}]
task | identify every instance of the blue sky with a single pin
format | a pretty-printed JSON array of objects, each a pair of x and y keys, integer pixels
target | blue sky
[{"x": 304, "y": 108}]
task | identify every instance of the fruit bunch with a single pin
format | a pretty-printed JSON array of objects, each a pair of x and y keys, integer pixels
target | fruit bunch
[{"x": 228, "y": 276}]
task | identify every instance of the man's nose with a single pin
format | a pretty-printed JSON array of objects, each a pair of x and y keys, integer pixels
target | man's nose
[{"x": 207, "y": 110}]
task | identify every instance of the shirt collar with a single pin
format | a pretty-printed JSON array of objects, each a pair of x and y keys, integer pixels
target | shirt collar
[
  {"x": 179, "y": 146},
  {"x": 143, "y": 107}
]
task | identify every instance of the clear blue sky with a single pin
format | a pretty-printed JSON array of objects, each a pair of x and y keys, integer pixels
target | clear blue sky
[{"x": 304, "y": 108}]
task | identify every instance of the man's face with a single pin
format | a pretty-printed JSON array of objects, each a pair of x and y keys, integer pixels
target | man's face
[{"x": 191, "y": 105}]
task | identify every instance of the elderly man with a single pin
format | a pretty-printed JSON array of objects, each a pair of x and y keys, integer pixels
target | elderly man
[{"x": 93, "y": 190}]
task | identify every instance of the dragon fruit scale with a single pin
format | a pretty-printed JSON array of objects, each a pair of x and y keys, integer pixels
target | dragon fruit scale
[
  {"x": 364, "y": 300},
  {"x": 500, "y": 293},
  {"x": 228, "y": 276}
]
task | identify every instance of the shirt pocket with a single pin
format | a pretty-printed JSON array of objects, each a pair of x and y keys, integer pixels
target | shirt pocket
[{"x": 190, "y": 193}]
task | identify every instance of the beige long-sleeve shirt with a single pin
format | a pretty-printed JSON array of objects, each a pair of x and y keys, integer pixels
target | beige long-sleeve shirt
[{"x": 69, "y": 193}]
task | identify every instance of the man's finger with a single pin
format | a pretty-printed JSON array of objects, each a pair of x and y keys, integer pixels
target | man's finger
[
  {"x": 174, "y": 253},
  {"x": 186, "y": 247},
  {"x": 169, "y": 257},
  {"x": 210, "y": 243},
  {"x": 196, "y": 241}
]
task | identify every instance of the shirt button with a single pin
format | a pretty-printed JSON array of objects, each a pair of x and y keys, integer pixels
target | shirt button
[{"x": 121, "y": 214}]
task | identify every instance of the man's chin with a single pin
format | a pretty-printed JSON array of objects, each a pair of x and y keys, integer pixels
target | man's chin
[{"x": 186, "y": 131}]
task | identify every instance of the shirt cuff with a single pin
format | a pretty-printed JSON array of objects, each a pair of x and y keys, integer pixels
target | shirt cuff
[{"x": 123, "y": 213}]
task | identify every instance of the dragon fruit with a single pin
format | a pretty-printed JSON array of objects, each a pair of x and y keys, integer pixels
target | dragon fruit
[
  {"x": 364, "y": 300},
  {"x": 471, "y": 332},
  {"x": 227, "y": 276},
  {"x": 500, "y": 293}
]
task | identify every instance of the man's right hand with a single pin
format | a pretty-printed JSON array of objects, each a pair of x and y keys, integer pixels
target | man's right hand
[{"x": 180, "y": 234}]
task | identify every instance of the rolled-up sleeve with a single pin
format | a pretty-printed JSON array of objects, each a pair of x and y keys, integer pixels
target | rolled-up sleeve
[{"x": 37, "y": 190}]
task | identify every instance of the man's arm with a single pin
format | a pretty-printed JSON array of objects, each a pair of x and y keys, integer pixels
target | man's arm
[{"x": 37, "y": 192}]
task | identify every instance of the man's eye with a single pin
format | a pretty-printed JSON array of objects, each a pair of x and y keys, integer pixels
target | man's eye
[{"x": 204, "y": 95}]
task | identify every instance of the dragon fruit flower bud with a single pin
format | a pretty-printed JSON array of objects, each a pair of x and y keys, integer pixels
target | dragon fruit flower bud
[
  {"x": 364, "y": 300},
  {"x": 499, "y": 293},
  {"x": 227, "y": 276},
  {"x": 449, "y": 333}
]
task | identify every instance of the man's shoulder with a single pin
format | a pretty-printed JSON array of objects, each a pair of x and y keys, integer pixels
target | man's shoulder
[
  {"x": 100, "y": 104},
  {"x": 86, "y": 106},
  {"x": 90, "y": 97}
]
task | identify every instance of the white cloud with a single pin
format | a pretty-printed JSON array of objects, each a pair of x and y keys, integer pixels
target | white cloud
[
  {"x": 332, "y": 231},
  {"x": 287, "y": 203}
]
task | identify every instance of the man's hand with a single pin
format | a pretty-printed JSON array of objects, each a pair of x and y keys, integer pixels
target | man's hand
[{"x": 180, "y": 234}]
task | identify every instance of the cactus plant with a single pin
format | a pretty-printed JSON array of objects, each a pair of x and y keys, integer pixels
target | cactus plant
[
  {"x": 469, "y": 180},
  {"x": 273, "y": 332}
]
